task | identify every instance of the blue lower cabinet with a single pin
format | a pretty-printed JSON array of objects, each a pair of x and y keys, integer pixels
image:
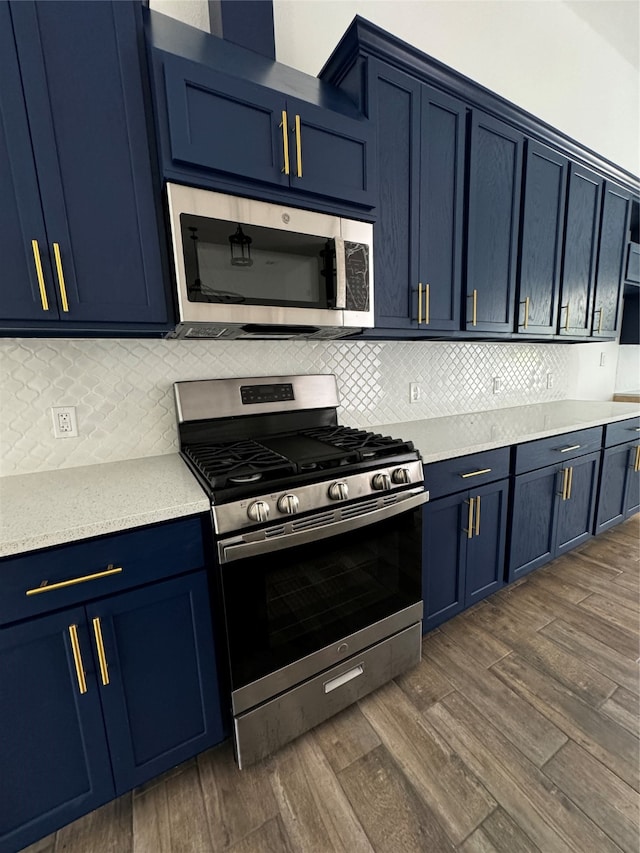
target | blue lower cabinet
[
  {"x": 97, "y": 699},
  {"x": 464, "y": 539},
  {"x": 552, "y": 512},
  {"x": 619, "y": 490},
  {"x": 54, "y": 759}
]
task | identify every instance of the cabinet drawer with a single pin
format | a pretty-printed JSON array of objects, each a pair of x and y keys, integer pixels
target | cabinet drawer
[
  {"x": 466, "y": 472},
  {"x": 558, "y": 448},
  {"x": 38, "y": 582},
  {"x": 622, "y": 431}
]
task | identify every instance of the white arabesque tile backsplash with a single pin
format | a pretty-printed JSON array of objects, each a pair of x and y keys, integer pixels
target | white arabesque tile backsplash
[{"x": 123, "y": 393}]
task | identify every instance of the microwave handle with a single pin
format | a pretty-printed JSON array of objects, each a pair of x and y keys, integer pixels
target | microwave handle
[{"x": 341, "y": 273}]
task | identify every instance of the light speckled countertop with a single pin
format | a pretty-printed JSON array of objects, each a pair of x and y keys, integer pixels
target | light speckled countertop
[{"x": 54, "y": 507}]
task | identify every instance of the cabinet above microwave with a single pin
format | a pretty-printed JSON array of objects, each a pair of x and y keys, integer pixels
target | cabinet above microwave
[{"x": 232, "y": 120}]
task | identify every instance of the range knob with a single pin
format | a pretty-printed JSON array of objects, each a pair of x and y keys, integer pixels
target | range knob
[
  {"x": 381, "y": 482},
  {"x": 338, "y": 491},
  {"x": 401, "y": 475},
  {"x": 258, "y": 511},
  {"x": 288, "y": 504}
]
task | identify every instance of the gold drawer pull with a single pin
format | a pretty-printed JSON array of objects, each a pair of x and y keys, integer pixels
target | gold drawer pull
[
  {"x": 526, "y": 313},
  {"x": 102, "y": 658},
  {"x": 298, "y": 147},
  {"x": 47, "y": 587},
  {"x": 77, "y": 658},
  {"x": 478, "y": 517},
  {"x": 419, "y": 303},
  {"x": 636, "y": 465},
  {"x": 474, "y": 309},
  {"x": 61, "y": 284},
  {"x": 427, "y": 300},
  {"x": 567, "y": 449},
  {"x": 469, "y": 530},
  {"x": 565, "y": 481},
  {"x": 38, "y": 262},
  {"x": 475, "y": 473},
  {"x": 285, "y": 142}
]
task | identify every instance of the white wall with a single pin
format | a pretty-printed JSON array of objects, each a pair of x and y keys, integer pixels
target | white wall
[{"x": 540, "y": 54}]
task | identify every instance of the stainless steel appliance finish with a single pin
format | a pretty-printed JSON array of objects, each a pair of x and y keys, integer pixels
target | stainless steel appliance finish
[
  {"x": 317, "y": 533},
  {"x": 282, "y": 305}
]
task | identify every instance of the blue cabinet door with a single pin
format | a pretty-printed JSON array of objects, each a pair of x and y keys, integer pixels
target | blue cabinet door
[
  {"x": 442, "y": 159},
  {"x": 395, "y": 110},
  {"x": 485, "y": 563},
  {"x": 580, "y": 247},
  {"x": 632, "y": 497},
  {"x": 542, "y": 230},
  {"x": 83, "y": 84},
  {"x": 444, "y": 547},
  {"x": 533, "y": 520},
  {"x": 53, "y": 750},
  {"x": 25, "y": 292},
  {"x": 612, "y": 493},
  {"x": 612, "y": 250},
  {"x": 161, "y": 702},
  {"x": 495, "y": 177},
  {"x": 576, "y": 506}
]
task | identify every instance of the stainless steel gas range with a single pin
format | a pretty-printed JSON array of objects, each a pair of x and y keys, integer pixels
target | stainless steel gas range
[{"x": 317, "y": 531}]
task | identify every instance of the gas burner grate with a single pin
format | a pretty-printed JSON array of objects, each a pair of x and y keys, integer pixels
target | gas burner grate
[
  {"x": 236, "y": 462},
  {"x": 368, "y": 445}
]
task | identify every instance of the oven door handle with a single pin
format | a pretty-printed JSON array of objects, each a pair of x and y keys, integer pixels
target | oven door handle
[{"x": 227, "y": 553}]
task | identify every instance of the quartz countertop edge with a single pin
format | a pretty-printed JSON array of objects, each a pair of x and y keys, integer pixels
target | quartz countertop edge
[
  {"x": 48, "y": 508},
  {"x": 458, "y": 435}
]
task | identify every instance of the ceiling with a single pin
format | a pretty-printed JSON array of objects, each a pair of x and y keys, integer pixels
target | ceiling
[{"x": 616, "y": 21}]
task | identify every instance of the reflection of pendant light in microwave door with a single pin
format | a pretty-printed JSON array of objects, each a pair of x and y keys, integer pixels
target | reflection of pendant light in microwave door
[{"x": 240, "y": 248}]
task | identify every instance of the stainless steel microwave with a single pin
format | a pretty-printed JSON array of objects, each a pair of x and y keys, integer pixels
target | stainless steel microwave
[{"x": 252, "y": 269}]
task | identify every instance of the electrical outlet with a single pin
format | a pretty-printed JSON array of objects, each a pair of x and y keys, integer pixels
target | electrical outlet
[
  {"x": 414, "y": 392},
  {"x": 549, "y": 380},
  {"x": 65, "y": 424},
  {"x": 497, "y": 384}
]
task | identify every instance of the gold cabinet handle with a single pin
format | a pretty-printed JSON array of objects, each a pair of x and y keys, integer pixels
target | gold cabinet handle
[
  {"x": 474, "y": 309},
  {"x": 298, "y": 147},
  {"x": 565, "y": 479},
  {"x": 570, "y": 483},
  {"x": 478, "y": 516},
  {"x": 475, "y": 473},
  {"x": 102, "y": 658},
  {"x": 469, "y": 530},
  {"x": 285, "y": 142},
  {"x": 636, "y": 464},
  {"x": 598, "y": 311},
  {"x": 427, "y": 304},
  {"x": 77, "y": 658},
  {"x": 61, "y": 284},
  {"x": 45, "y": 586},
  {"x": 38, "y": 262},
  {"x": 566, "y": 320},
  {"x": 526, "y": 302},
  {"x": 419, "y": 302}
]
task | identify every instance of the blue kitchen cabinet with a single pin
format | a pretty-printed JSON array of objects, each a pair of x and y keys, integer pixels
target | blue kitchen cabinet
[
  {"x": 464, "y": 533},
  {"x": 233, "y": 120},
  {"x": 78, "y": 168},
  {"x": 612, "y": 252},
  {"x": 105, "y": 692},
  {"x": 619, "y": 486},
  {"x": 584, "y": 200},
  {"x": 495, "y": 177},
  {"x": 54, "y": 757},
  {"x": 418, "y": 231},
  {"x": 542, "y": 232},
  {"x": 553, "y": 506}
]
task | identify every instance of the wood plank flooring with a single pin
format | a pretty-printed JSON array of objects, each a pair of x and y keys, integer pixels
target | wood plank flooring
[{"x": 517, "y": 732}]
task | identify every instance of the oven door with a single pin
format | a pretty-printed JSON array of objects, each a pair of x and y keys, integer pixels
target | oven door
[{"x": 293, "y": 610}]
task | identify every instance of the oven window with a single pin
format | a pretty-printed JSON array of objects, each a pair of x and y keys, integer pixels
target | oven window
[
  {"x": 228, "y": 262},
  {"x": 283, "y": 606}
]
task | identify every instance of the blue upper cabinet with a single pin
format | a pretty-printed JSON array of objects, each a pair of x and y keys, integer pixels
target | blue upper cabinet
[
  {"x": 81, "y": 213},
  {"x": 580, "y": 249},
  {"x": 612, "y": 251},
  {"x": 231, "y": 119},
  {"x": 541, "y": 233},
  {"x": 495, "y": 176}
]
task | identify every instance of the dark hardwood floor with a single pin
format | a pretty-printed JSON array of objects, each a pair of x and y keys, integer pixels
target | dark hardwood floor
[{"x": 517, "y": 732}]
